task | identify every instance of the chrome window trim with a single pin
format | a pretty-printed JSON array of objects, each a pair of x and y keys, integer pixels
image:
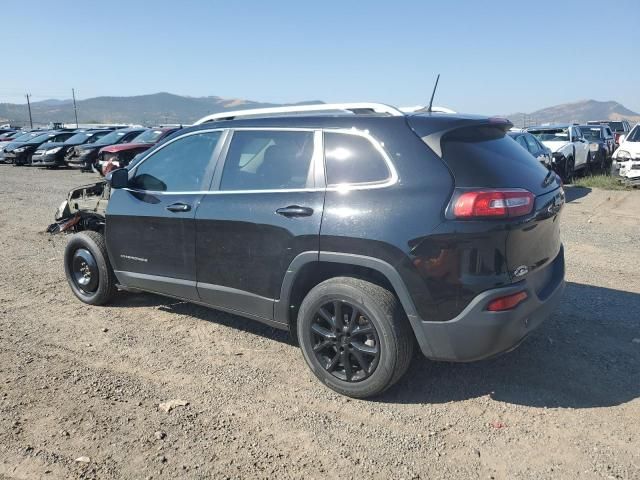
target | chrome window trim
[
  {"x": 155, "y": 150},
  {"x": 342, "y": 188}
]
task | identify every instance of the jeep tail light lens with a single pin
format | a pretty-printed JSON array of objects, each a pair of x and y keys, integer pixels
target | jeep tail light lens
[
  {"x": 507, "y": 303},
  {"x": 493, "y": 203}
]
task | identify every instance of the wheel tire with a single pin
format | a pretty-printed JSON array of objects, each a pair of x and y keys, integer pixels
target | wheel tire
[
  {"x": 378, "y": 307},
  {"x": 569, "y": 170},
  {"x": 589, "y": 166},
  {"x": 85, "y": 247}
]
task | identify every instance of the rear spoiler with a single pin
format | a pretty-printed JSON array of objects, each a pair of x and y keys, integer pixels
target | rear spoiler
[{"x": 431, "y": 128}]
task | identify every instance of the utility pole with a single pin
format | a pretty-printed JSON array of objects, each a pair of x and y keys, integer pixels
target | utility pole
[
  {"x": 29, "y": 107},
  {"x": 75, "y": 109}
]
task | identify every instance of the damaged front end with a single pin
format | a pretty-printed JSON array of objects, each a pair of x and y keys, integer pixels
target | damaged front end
[{"x": 84, "y": 209}]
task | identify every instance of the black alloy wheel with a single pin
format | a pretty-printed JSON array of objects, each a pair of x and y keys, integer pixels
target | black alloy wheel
[{"x": 345, "y": 342}]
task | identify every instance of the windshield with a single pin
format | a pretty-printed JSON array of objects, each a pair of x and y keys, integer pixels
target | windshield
[
  {"x": 112, "y": 138},
  {"x": 85, "y": 137},
  {"x": 27, "y": 136},
  {"x": 552, "y": 134},
  {"x": 634, "y": 135},
  {"x": 40, "y": 138},
  {"x": 591, "y": 133},
  {"x": 148, "y": 136},
  {"x": 79, "y": 137},
  {"x": 616, "y": 126}
]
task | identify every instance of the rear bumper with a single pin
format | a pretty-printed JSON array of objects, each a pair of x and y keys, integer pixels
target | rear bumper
[{"x": 476, "y": 333}]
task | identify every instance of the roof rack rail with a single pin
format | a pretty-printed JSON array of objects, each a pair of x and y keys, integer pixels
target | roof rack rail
[{"x": 355, "y": 107}]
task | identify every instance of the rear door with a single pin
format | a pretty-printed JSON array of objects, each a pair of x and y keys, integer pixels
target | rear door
[
  {"x": 265, "y": 208},
  {"x": 150, "y": 228}
]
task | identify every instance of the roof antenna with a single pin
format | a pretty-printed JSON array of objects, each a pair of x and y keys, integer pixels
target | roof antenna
[{"x": 433, "y": 94}]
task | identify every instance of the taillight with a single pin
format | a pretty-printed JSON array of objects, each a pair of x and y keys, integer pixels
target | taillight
[
  {"x": 493, "y": 203},
  {"x": 507, "y": 303}
]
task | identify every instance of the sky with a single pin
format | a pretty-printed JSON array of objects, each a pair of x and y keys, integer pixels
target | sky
[{"x": 493, "y": 56}]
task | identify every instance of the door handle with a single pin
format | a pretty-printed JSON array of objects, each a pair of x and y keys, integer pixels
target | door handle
[
  {"x": 295, "y": 211},
  {"x": 179, "y": 207}
]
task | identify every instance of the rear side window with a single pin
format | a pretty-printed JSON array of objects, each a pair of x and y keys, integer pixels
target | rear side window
[
  {"x": 353, "y": 159},
  {"x": 268, "y": 160},
  {"x": 178, "y": 167}
]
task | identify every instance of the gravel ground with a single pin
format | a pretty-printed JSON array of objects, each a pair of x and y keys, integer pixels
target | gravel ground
[{"x": 80, "y": 386}]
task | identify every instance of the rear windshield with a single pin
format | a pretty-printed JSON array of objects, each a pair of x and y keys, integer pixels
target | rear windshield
[{"x": 488, "y": 158}]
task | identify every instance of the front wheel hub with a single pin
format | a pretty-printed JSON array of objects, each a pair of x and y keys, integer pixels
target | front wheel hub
[{"x": 85, "y": 270}]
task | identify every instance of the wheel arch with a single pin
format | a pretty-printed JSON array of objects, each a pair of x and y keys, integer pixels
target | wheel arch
[{"x": 310, "y": 268}]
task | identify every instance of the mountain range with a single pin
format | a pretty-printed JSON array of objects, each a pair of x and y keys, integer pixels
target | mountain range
[
  {"x": 169, "y": 108},
  {"x": 151, "y": 109},
  {"x": 576, "y": 112}
]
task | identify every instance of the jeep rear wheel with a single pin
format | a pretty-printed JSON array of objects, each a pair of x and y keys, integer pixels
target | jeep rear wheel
[
  {"x": 354, "y": 336},
  {"x": 87, "y": 268}
]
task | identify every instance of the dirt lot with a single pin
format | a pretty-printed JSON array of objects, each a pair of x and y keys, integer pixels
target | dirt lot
[{"x": 79, "y": 381}]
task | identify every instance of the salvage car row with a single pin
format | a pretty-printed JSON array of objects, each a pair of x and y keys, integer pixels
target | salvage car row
[
  {"x": 97, "y": 149},
  {"x": 567, "y": 149}
]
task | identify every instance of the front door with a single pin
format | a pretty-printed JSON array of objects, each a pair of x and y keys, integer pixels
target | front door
[
  {"x": 264, "y": 209},
  {"x": 150, "y": 226}
]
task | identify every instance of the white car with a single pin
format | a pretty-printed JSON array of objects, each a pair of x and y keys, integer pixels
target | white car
[
  {"x": 626, "y": 159},
  {"x": 569, "y": 148}
]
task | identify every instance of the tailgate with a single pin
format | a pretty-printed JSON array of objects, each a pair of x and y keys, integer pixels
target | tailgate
[{"x": 533, "y": 244}]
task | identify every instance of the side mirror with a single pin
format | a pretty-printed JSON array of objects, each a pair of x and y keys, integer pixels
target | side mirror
[
  {"x": 118, "y": 178},
  {"x": 621, "y": 138}
]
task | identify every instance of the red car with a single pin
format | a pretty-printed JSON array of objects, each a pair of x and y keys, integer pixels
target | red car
[{"x": 119, "y": 155}]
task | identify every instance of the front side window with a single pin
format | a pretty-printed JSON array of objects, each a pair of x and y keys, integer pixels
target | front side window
[
  {"x": 352, "y": 159},
  {"x": 268, "y": 160},
  {"x": 178, "y": 167}
]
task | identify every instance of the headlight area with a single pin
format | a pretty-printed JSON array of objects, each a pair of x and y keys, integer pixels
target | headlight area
[
  {"x": 594, "y": 147},
  {"x": 51, "y": 151},
  {"x": 109, "y": 157},
  {"x": 622, "y": 155}
]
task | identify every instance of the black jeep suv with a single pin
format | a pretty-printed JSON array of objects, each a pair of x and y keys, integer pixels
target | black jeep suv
[{"x": 363, "y": 233}]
